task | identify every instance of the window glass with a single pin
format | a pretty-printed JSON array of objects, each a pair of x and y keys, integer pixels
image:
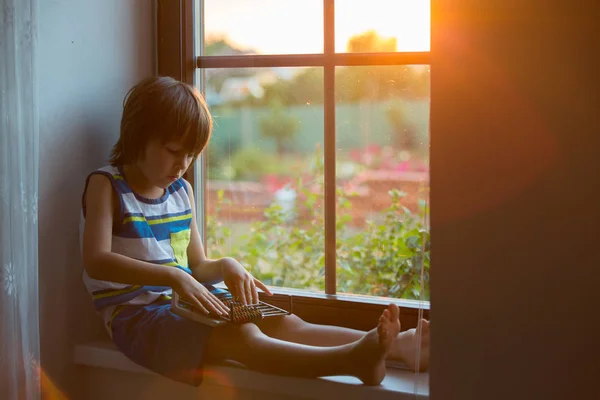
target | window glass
[
  {"x": 265, "y": 173},
  {"x": 236, "y": 27},
  {"x": 382, "y": 25},
  {"x": 382, "y": 174}
]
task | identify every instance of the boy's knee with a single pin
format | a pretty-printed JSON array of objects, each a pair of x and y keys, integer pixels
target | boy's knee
[
  {"x": 245, "y": 334},
  {"x": 282, "y": 326},
  {"x": 292, "y": 322}
]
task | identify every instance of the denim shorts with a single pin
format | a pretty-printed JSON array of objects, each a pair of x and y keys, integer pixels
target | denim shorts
[{"x": 158, "y": 339}]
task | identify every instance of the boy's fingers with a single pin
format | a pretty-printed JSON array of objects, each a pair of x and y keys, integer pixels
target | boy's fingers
[
  {"x": 222, "y": 305},
  {"x": 212, "y": 307},
  {"x": 198, "y": 305},
  {"x": 254, "y": 294},
  {"x": 219, "y": 307},
  {"x": 217, "y": 310},
  {"x": 262, "y": 286},
  {"x": 246, "y": 293}
]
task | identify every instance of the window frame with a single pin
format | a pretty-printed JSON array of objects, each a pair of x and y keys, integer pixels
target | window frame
[{"x": 179, "y": 54}]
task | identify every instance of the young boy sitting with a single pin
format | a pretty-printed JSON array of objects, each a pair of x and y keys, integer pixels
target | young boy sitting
[{"x": 140, "y": 241}]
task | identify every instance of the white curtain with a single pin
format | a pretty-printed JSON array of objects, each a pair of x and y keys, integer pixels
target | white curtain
[{"x": 19, "y": 129}]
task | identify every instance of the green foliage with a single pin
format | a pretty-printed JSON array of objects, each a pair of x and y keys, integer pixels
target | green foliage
[
  {"x": 405, "y": 136},
  {"x": 384, "y": 259},
  {"x": 278, "y": 125},
  {"x": 353, "y": 84},
  {"x": 356, "y": 83},
  {"x": 217, "y": 234},
  {"x": 251, "y": 163},
  {"x": 219, "y": 46},
  {"x": 305, "y": 88}
]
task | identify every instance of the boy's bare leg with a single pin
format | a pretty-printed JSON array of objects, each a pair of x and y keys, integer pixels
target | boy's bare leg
[
  {"x": 404, "y": 348},
  {"x": 363, "y": 358}
]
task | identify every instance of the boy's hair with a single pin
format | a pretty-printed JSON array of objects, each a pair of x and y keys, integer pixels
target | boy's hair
[{"x": 165, "y": 109}]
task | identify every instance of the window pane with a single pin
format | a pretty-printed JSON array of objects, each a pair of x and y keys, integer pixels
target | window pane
[
  {"x": 382, "y": 151},
  {"x": 263, "y": 27},
  {"x": 265, "y": 173},
  {"x": 381, "y": 25}
]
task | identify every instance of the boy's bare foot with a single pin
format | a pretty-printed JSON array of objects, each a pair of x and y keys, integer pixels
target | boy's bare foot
[
  {"x": 406, "y": 345},
  {"x": 370, "y": 351}
]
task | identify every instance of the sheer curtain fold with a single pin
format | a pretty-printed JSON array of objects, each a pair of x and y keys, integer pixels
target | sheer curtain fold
[{"x": 19, "y": 131}]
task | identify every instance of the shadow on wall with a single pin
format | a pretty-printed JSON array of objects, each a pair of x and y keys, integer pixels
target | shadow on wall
[
  {"x": 90, "y": 64},
  {"x": 66, "y": 311},
  {"x": 97, "y": 143}
]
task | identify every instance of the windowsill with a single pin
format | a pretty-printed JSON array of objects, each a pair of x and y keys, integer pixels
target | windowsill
[
  {"x": 349, "y": 298},
  {"x": 398, "y": 384}
]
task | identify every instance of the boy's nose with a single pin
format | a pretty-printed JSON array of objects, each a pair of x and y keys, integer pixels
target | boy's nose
[{"x": 182, "y": 164}]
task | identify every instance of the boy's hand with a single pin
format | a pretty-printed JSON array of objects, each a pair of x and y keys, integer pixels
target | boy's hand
[
  {"x": 240, "y": 283},
  {"x": 193, "y": 292}
]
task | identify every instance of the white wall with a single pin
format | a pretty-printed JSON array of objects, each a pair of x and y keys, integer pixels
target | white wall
[
  {"x": 90, "y": 52},
  {"x": 515, "y": 211}
]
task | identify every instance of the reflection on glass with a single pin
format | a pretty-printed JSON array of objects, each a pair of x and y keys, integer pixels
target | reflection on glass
[
  {"x": 265, "y": 173},
  {"x": 235, "y": 27},
  {"x": 382, "y": 25},
  {"x": 382, "y": 118}
]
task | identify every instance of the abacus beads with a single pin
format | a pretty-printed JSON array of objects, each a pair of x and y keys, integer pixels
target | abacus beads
[{"x": 240, "y": 313}]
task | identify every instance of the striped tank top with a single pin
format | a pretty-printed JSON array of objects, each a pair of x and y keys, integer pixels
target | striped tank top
[{"x": 151, "y": 230}]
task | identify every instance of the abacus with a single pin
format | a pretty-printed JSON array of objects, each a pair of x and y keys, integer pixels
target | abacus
[{"x": 238, "y": 312}]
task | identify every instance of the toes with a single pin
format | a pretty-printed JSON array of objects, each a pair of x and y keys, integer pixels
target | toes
[
  {"x": 394, "y": 311},
  {"x": 385, "y": 316},
  {"x": 422, "y": 332}
]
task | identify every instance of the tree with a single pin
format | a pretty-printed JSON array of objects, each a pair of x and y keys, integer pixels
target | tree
[
  {"x": 370, "y": 42},
  {"x": 278, "y": 125},
  {"x": 405, "y": 136},
  {"x": 373, "y": 82},
  {"x": 220, "y": 46},
  {"x": 305, "y": 87},
  {"x": 353, "y": 84}
]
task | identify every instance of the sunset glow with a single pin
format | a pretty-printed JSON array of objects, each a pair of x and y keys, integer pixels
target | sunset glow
[{"x": 287, "y": 26}]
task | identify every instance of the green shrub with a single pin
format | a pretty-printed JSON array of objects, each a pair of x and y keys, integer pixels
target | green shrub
[
  {"x": 384, "y": 259},
  {"x": 251, "y": 163}
]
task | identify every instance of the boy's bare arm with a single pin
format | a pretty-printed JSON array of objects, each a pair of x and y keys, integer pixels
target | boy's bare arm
[
  {"x": 98, "y": 259},
  {"x": 237, "y": 279},
  {"x": 203, "y": 269}
]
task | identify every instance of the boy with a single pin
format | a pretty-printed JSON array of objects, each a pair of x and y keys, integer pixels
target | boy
[{"x": 140, "y": 241}]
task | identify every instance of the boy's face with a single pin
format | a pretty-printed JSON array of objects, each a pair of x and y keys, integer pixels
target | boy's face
[{"x": 164, "y": 163}]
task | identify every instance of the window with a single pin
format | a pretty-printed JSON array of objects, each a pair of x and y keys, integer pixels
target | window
[{"x": 316, "y": 177}]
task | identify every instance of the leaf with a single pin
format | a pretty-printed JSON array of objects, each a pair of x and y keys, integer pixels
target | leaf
[
  {"x": 344, "y": 264},
  {"x": 413, "y": 242},
  {"x": 321, "y": 261},
  {"x": 345, "y": 218}
]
